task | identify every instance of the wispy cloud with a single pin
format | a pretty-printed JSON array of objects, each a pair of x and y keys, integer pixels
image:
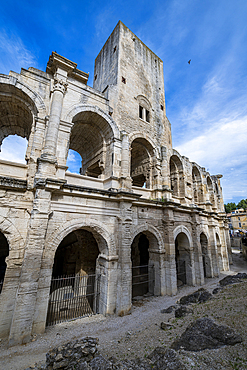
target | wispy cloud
[{"x": 14, "y": 53}]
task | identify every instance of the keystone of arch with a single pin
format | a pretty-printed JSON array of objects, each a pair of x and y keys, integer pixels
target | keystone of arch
[
  {"x": 152, "y": 230},
  {"x": 79, "y": 108},
  {"x": 33, "y": 95},
  {"x": 95, "y": 227},
  {"x": 182, "y": 229}
]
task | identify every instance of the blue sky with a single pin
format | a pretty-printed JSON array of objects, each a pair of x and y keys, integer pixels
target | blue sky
[{"x": 206, "y": 101}]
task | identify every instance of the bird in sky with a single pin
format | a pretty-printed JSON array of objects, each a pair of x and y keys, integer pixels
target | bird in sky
[{"x": 189, "y": 61}]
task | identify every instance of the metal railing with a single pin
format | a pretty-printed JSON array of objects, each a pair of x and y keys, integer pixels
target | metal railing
[
  {"x": 181, "y": 271},
  {"x": 142, "y": 280},
  {"x": 73, "y": 297}
]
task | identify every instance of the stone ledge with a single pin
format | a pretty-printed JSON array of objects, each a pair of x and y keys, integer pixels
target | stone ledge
[{"x": 12, "y": 183}]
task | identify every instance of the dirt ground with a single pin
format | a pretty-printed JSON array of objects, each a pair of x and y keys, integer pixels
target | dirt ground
[{"x": 137, "y": 334}]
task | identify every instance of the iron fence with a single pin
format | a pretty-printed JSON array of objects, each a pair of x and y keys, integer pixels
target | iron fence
[
  {"x": 142, "y": 280},
  {"x": 72, "y": 297},
  {"x": 181, "y": 271}
]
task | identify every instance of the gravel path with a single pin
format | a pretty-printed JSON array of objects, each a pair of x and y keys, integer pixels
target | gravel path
[{"x": 130, "y": 336}]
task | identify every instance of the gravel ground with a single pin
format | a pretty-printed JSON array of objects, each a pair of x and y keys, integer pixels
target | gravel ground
[{"x": 138, "y": 333}]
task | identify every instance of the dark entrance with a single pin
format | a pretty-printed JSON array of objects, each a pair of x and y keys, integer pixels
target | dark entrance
[
  {"x": 140, "y": 269},
  {"x": 75, "y": 287},
  {"x": 183, "y": 260},
  {"x": 4, "y": 252}
]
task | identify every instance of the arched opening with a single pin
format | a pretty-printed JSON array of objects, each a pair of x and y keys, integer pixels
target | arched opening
[
  {"x": 91, "y": 137},
  {"x": 210, "y": 189},
  {"x": 197, "y": 186},
  {"x": 18, "y": 155},
  {"x": 74, "y": 288},
  {"x": 176, "y": 176},
  {"x": 183, "y": 260},
  {"x": 141, "y": 274},
  {"x": 16, "y": 118},
  {"x": 141, "y": 154},
  {"x": 74, "y": 161},
  {"x": 219, "y": 253},
  {"x": 4, "y": 252},
  {"x": 205, "y": 256}
]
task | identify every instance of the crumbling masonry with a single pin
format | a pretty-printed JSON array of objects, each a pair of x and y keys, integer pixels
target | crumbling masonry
[{"x": 135, "y": 202}]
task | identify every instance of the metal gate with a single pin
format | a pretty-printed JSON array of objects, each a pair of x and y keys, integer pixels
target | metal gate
[
  {"x": 73, "y": 297},
  {"x": 142, "y": 280},
  {"x": 181, "y": 272}
]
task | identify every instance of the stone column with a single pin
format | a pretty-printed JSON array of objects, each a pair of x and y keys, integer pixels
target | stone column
[
  {"x": 107, "y": 268},
  {"x": 124, "y": 291},
  {"x": 126, "y": 182},
  {"x": 214, "y": 252},
  {"x": 54, "y": 120},
  {"x": 170, "y": 261},
  {"x": 198, "y": 260},
  {"x": 49, "y": 152}
]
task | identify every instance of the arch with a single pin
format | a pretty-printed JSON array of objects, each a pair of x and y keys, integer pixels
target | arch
[
  {"x": 184, "y": 257},
  {"x": 219, "y": 252},
  {"x": 206, "y": 260},
  {"x": 36, "y": 102},
  {"x": 147, "y": 230},
  {"x": 92, "y": 136},
  {"x": 143, "y": 160},
  {"x": 197, "y": 184},
  {"x": 177, "y": 175},
  {"x": 211, "y": 189},
  {"x": 101, "y": 235},
  {"x": 182, "y": 229},
  {"x": 141, "y": 135},
  {"x": 80, "y": 108},
  {"x": 13, "y": 237}
]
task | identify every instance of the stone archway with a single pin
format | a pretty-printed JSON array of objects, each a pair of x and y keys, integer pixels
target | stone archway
[
  {"x": 207, "y": 270},
  {"x": 141, "y": 274},
  {"x": 92, "y": 136},
  {"x": 147, "y": 258},
  {"x": 184, "y": 258},
  {"x": 108, "y": 272},
  {"x": 75, "y": 283},
  {"x": 219, "y": 252}
]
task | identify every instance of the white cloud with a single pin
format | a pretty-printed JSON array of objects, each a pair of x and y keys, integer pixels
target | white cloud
[
  {"x": 14, "y": 53},
  {"x": 14, "y": 149},
  {"x": 222, "y": 149}
]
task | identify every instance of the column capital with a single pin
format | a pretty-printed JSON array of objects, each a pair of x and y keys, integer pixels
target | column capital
[{"x": 59, "y": 85}]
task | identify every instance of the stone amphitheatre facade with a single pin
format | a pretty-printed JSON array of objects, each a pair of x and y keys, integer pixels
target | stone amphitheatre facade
[{"x": 136, "y": 203}]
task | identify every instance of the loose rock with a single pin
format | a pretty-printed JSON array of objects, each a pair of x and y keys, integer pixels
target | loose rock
[
  {"x": 206, "y": 334},
  {"x": 182, "y": 311},
  {"x": 201, "y": 295},
  {"x": 170, "y": 309},
  {"x": 232, "y": 279}
]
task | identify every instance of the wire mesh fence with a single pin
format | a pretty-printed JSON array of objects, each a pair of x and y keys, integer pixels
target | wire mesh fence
[{"x": 73, "y": 297}]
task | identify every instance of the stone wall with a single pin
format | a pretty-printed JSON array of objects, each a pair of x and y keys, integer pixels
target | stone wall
[{"x": 132, "y": 186}]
